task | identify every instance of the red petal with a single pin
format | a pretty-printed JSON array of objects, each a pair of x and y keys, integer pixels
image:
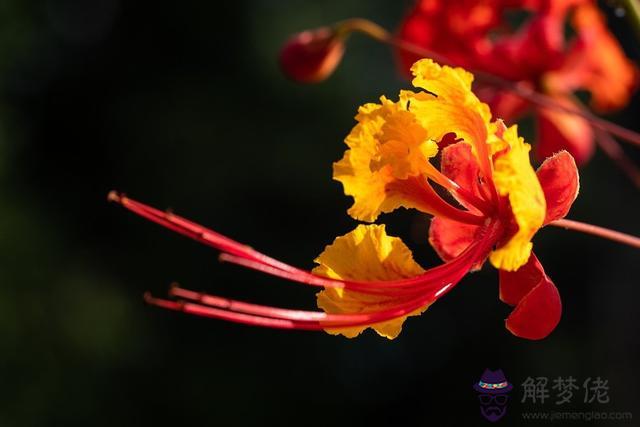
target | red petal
[
  {"x": 563, "y": 131},
  {"x": 450, "y": 238},
  {"x": 538, "y": 306},
  {"x": 504, "y": 104},
  {"x": 455, "y": 29},
  {"x": 460, "y": 165},
  {"x": 559, "y": 178}
]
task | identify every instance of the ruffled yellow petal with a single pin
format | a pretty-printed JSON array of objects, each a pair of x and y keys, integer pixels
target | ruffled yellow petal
[
  {"x": 449, "y": 105},
  {"x": 365, "y": 254},
  {"x": 514, "y": 177},
  {"x": 386, "y": 146}
]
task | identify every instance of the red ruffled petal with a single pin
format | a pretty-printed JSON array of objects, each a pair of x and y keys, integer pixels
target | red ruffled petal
[
  {"x": 559, "y": 178},
  {"x": 563, "y": 131},
  {"x": 537, "y": 302},
  {"x": 460, "y": 165}
]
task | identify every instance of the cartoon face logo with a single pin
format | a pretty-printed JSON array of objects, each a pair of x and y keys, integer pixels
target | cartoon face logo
[{"x": 493, "y": 389}]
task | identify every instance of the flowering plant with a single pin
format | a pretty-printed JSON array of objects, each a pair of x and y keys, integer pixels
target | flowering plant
[{"x": 496, "y": 203}]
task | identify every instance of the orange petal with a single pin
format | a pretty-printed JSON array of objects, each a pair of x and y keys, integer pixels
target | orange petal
[
  {"x": 538, "y": 306},
  {"x": 563, "y": 131},
  {"x": 595, "y": 62},
  {"x": 560, "y": 182}
]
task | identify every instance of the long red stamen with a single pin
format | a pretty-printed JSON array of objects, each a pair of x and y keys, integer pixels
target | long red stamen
[
  {"x": 403, "y": 300},
  {"x": 274, "y": 317},
  {"x": 255, "y": 309},
  {"x": 244, "y": 255},
  {"x": 194, "y": 231},
  {"x": 462, "y": 193},
  {"x": 427, "y": 200},
  {"x": 230, "y": 316},
  {"x": 595, "y": 230},
  {"x": 404, "y": 296}
]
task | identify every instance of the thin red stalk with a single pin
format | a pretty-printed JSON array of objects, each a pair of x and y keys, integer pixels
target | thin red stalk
[
  {"x": 378, "y": 33},
  {"x": 612, "y": 149},
  {"x": 462, "y": 193},
  {"x": 274, "y": 317},
  {"x": 286, "y": 321},
  {"x": 250, "y": 258},
  {"x": 255, "y": 309},
  {"x": 411, "y": 285},
  {"x": 252, "y": 314},
  {"x": 426, "y": 199},
  {"x": 595, "y": 230},
  {"x": 407, "y": 286},
  {"x": 194, "y": 231},
  {"x": 231, "y": 316}
]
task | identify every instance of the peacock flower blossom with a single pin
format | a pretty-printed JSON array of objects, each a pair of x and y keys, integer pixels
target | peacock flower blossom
[
  {"x": 537, "y": 55},
  {"x": 494, "y": 204}
]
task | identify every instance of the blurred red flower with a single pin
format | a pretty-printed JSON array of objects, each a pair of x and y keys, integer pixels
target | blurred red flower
[{"x": 537, "y": 54}]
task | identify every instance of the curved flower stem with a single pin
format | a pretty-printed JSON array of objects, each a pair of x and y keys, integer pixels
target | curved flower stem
[
  {"x": 605, "y": 233},
  {"x": 613, "y": 150},
  {"x": 378, "y": 33},
  {"x": 632, "y": 11}
]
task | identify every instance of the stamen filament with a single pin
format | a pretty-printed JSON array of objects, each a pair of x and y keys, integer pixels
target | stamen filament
[
  {"x": 433, "y": 277},
  {"x": 595, "y": 230},
  {"x": 194, "y": 231},
  {"x": 428, "y": 201},
  {"x": 299, "y": 319},
  {"x": 438, "y": 177},
  {"x": 254, "y": 309}
]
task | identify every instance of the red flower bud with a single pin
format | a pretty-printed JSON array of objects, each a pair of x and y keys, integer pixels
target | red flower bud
[{"x": 311, "y": 56}]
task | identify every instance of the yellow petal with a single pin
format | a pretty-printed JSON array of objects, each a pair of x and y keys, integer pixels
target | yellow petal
[
  {"x": 449, "y": 105},
  {"x": 386, "y": 146},
  {"x": 365, "y": 254},
  {"x": 514, "y": 177}
]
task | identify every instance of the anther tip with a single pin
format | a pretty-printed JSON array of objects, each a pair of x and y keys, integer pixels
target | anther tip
[
  {"x": 148, "y": 298},
  {"x": 114, "y": 196},
  {"x": 172, "y": 287}
]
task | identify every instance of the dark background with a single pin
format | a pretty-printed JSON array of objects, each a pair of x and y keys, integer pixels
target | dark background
[{"x": 181, "y": 105}]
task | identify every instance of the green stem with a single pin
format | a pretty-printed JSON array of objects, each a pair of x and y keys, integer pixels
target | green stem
[{"x": 632, "y": 11}]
